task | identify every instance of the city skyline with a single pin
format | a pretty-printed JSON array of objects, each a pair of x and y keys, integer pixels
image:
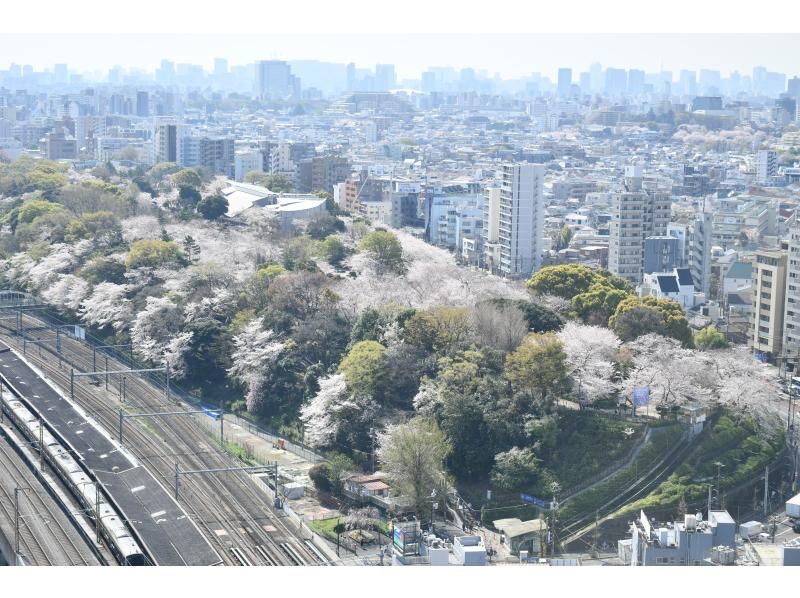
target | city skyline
[{"x": 510, "y": 56}]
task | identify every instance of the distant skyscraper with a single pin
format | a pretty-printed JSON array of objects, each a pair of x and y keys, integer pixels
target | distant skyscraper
[
  {"x": 793, "y": 87},
  {"x": 635, "y": 81},
  {"x": 521, "y": 225},
  {"x": 710, "y": 82},
  {"x": 596, "y": 76},
  {"x": 564, "y": 81},
  {"x": 687, "y": 81},
  {"x": 142, "y": 103},
  {"x": 273, "y": 79},
  {"x": 351, "y": 77},
  {"x": 384, "y": 77},
  {"x": 220, "y": 67},
  {"x": 759, "y": 79},
  {"x": 60, "y": 73},
  {"x": 616, "y": 81}
]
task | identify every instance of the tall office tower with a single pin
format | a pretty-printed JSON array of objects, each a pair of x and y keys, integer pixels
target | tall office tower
[
  {"x": 521, "y": 225},
  {"x": 616, "y": 81},
  {"x": 767, "y": 165},
  {"x": 710, "y": 82},
  {"x": 700, "y": 235},
  {"x": 759, "y": 79},
  {"x": 428, "y": 82},
  {"x": 273, "y": 79},
  {"x": 636, "y": 214},
  {"x": 142, "y": 103},
  {"x": 769, "y": 288},
  {"x": 596, "y": 77},
  {"x": 687, "y": 81},
  {"x": 60, "y": 74},
  {"x": 564, "y": 82},
  {"x": 220, "y": 67},
  {"x": 384, "y": 77},
  {"x": 165, "y": 74},
  {"x": 635, "y": 81},
  {"x": 351, "y": 77},
  {"x": 793, "y": 87}
]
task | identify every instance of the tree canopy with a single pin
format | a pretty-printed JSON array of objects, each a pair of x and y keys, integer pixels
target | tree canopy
[{"x": 385, "y": 249}]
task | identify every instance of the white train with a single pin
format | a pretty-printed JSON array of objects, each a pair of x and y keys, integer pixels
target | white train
[{"x": 116, "y": 534}]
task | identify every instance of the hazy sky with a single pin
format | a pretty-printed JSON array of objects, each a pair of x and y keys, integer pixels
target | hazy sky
[{"x": 511, "y": 55}]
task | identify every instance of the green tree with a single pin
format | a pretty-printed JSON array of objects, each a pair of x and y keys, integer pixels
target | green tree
[
  {"x": 537, "y": 369},
  {"x": 189, "y": 197},
  {"x": 333, "y": 250},
  {"x": 323, "y": 225},
  {"x": 213, "y": 207},
  {"x": 191, "y": 248},
  {"x": 515, "y": 469},
  {"x": 279, "y": 183},
  {"x": 386, "y": 250},
  {"x": 151, "y": 253},
  {"x": 103, "y": 270},
  {"x": 563, "y": 281},
  {"x": 34, "y": 208},
  {"x": 462, "y": 419},
  {"x": 257, "y": 177},
  {"x": 413, "y": 454},
  {"x": 187, "y": 178},
  {"x": 440, "y": 330},
  {"x": 364, "y": 368},
  {"x": 641, "y": 321},
  {"x": 598, "y": 303},
  {"x": 709, "y": 338}
]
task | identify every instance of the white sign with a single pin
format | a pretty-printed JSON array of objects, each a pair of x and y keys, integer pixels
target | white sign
[{"x": 645, "y": 523}]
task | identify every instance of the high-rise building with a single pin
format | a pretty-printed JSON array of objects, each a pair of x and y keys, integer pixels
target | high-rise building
[
  {"x": 616, "y": 81},
  {"x": 61, "y": 74},
  {"x": 564, "y": 81},
  {"x": 351, "y": 77},
  {"x": 521, "y": 219},
  {"x": 793, "y": 87},
  {"x": 274, "y": 80},
  {"x": 384, "y": 77},
  {"x": 636, "y": 214},
  {"x": 769, "y": 285},
  {"x": 700, "y": 235},
  {"x": 635, "y": 81},
  {"x": 214, "y": 153},
  {"x": 142, "y": 103},
  {"x": 321, "y": 173},
  {"x": 168, "y": 142},
  {"x": 220, "y": 67},
  {"x": 791, "y": 331},
  {"x": 767, "y": 165}
]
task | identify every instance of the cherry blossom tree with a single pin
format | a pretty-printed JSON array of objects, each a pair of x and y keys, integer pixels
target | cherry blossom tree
[
  {"x": 107, "y": 305},
  {"x": 254, "y": 355},
  {"x": 590, "y": 358}
]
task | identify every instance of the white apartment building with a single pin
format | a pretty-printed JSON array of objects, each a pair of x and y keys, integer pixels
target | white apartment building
[
  {"x": 521, "y": 223},
  {"x": 766, "y": 165},
  {"x": 769, "y": 284},
  {"x": 247, "y": 161},
  {"x": 491, "y": 229},
  {"x": 791, "y": 334},
  {"x": 635, "y": 215}
]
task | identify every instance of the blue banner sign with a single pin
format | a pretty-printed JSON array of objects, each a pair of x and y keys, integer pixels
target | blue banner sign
[
  {"x": 641, "y": 395},
  {"x": 532, "y": 500}
]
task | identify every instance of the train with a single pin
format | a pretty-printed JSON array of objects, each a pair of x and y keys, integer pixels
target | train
[{"x": 112, "y": 528}]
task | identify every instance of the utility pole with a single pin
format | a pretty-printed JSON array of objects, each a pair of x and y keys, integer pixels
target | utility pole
[
  {"x": 766, "y": 490},
  {"x": 719, "y": 470}
]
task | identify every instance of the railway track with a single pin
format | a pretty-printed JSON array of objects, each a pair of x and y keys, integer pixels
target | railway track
[
  {"x": 47, "y": 537},
  {"x": 232, "y": 512},
  {"x": 573, "y": 531}
]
